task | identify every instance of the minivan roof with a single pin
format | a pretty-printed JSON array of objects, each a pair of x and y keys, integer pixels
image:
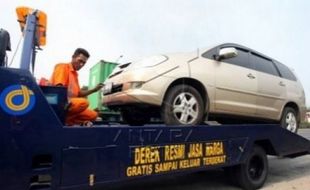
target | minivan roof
[{"x": 246, "y": 48}]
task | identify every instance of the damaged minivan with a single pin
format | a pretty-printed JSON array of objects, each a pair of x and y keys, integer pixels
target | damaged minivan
[{"x": 227, "y": 80}]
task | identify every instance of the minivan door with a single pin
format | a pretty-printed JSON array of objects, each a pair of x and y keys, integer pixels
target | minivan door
[
  {"x": 271, "y": 91},
  {"x": 236, "y": 85}
]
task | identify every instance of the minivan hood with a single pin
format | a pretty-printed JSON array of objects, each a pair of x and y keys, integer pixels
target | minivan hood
[{"x": 170, "y": 60}]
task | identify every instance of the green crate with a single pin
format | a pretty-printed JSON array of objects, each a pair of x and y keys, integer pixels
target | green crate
[{"x": 99, "y": 73}]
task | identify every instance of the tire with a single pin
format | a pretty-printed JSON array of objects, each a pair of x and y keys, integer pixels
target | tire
[
  {"x": 253, "y": 173},
  {"x": 135, "y": 117},
  {"x": 182, "y": 105},
  {"x": 289, "y": 120}
]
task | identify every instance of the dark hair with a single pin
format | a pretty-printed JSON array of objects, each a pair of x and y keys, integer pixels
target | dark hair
[{"x": 82, "y": 51}]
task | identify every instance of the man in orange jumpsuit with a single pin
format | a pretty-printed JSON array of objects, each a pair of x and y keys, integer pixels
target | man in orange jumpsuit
[{"x": 65, "y": 74}]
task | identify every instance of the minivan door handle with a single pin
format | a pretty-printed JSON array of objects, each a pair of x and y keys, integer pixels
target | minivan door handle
[
  {"x": 281, "y": 83},
  {"x": 251, "y": 76}
]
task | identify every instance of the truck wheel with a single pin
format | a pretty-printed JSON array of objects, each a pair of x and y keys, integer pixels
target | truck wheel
[
  {"x": 253, "y": 173},
  {"x": 182, "y": 105},
  {"x": 135, "y": 117},
  {"x": 289, "y": 120}
]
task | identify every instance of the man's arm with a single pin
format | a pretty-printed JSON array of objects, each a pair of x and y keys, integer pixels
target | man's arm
[
  {"x": 60, "y": 75},
  {"x": 84, "y": 93}
]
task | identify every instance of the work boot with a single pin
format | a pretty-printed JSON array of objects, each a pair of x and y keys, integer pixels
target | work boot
[{"x": 87, "y": 124}]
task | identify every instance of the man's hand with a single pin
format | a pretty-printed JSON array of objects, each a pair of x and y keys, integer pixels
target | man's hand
[
  {"x": 98, "y": 87},
  {"x": 88, "y": 92}
]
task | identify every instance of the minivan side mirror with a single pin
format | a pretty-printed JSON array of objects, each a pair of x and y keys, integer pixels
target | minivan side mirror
[{"x": 226, "y": 53}]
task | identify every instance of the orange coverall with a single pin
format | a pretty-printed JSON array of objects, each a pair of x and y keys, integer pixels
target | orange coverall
[{"x": 78, "y": 113}]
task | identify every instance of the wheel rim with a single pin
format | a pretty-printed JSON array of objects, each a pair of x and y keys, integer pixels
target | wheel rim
[
  {"x": 256, "y": 168},
  {"x": 290, "y": 122},
  {"x": 185, "y": 108}
]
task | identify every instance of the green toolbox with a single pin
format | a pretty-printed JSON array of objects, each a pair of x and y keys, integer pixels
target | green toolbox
[{"x": 99, "y": 73}]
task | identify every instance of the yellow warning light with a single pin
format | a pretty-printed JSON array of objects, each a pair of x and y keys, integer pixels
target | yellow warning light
[{"x": 23, "y": 12}]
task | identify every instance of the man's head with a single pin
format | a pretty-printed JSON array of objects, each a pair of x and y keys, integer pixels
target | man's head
[{"x": 79, "y": 58}]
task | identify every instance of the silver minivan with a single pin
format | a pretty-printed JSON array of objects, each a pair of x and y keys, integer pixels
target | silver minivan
[{"x": 226, "y": 81}]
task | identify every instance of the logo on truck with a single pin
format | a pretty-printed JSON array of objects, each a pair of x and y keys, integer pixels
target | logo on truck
[{"x": 17, "y": 100}]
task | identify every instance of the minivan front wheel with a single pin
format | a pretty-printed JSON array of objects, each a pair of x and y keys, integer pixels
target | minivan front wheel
[
  {"x": 182, "y": 105},
  {"x": 289, "y": 120}
]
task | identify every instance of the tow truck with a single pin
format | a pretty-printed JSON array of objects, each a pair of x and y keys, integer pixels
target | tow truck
[{"x": 38, "y": 151}]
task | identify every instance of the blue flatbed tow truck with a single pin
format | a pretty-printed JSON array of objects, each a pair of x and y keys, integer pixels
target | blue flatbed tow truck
[{"x": 38, "y": 152}]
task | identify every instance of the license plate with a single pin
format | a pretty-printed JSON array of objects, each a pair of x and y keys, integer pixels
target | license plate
[{"x": 107, "y": 88}]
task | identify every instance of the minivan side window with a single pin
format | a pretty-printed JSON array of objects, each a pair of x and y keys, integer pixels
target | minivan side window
[
  {"x": 210, "y": 53},
  {"x": 285, "y": 71},
  {"x": 242, "y": 59},
  {"x": 264, "y": 65}
]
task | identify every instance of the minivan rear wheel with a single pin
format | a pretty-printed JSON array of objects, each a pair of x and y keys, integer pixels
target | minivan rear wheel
[
  {"x": 289, "y": 119},
  {"x": 182, "y": 105}
]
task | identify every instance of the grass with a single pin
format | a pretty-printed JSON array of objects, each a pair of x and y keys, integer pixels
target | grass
[{"x": 305, "y": 125}]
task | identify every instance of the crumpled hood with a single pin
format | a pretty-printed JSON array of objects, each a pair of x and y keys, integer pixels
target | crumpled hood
[{"x": 151, "y": 66}]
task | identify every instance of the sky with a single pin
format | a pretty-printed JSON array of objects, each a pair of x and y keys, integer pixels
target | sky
[{"x": 135, "y": 29}]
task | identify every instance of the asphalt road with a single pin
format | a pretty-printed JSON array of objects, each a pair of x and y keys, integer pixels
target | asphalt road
[{"x": 284, "y": 174}]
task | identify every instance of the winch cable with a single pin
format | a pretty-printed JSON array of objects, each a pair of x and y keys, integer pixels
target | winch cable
[{"x": 16, "y": 49}]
